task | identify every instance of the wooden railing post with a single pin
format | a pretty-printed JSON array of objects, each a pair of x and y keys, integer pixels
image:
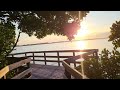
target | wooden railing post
[
  {"x": 96, "y": 54},
  {"x": 12, "y": 55},
  {"x": 82, "y": 69},
  {"x": 4, "y": 76},
  {"x": 45, "y": 58},
  {"x": 74, "y": 62},
  {"x": 25, "y": 54},
  {"x": 33, "y": 58},
  {"x": 67, "y": 74},
  {"x": 93, "y": 54},
  {"x": 28, "y": 65},
  {"x": 90, "y": 53},
  {"x": 58, "y": 59}
]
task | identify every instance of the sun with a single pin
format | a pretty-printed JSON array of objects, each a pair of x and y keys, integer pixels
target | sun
[
  {"x": 81, "y": 45},
  {"x": 81, "y": 34},
  {"x": 83, "y": 31}
]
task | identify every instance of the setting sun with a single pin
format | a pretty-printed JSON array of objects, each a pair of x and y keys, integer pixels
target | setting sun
[{"x": 83, "y": 31}]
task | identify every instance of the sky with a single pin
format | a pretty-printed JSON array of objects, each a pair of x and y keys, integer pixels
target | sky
[
  {"x": 96, "y": 22},
  {"x": 100, "y": 21}
]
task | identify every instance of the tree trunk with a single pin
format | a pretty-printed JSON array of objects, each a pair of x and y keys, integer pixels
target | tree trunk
[{"x": 14, "y": 44}]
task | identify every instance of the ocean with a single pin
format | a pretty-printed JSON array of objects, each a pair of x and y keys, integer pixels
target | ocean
[
  {"x": 88, "y": 44},
  {"x": 76, "y": 45}
]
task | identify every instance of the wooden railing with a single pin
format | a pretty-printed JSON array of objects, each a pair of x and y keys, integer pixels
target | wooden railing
[
  {"x": 66, "y": 61},
  {"x": 58, "y": 55},
  {"x": 8, "y": 68},
  {"x": 70, "y": 71}
]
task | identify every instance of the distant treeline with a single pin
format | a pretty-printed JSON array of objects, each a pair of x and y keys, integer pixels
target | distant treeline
[{"x": 61, "y": 42}]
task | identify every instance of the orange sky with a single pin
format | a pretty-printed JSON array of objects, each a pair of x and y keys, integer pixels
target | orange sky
[{"x": 95, "y": 22}]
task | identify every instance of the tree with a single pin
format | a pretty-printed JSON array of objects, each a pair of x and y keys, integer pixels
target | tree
[
  {"x": 40, "y": 23},
  {"x": 115, "y": 34},
  {"x": 7, "y": 38},
  {"x": 108, "y": 66}
]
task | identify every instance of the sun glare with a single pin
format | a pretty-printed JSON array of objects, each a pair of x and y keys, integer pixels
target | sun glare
[
  {"x": 83, "y": 31},
  {"x": 80, "y": 45}
]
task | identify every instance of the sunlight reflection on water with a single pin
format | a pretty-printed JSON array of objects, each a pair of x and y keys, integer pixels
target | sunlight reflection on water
[{"x": 94, "y": 44}]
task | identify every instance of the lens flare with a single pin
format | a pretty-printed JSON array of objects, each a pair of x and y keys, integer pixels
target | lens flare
[{"x": 83, "y": 31}]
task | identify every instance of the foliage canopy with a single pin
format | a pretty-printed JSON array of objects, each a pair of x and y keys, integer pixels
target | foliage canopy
[{"x": 38, "y": 23}]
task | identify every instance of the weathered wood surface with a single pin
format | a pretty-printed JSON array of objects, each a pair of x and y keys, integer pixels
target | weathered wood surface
[
  {"x": 47, "y": 72},
  {"x": 4, "y": 71},
  {"x": 73, "y": 72},
  {"x": 18, "y": 64},
  {"x": 69, "y": 59},
  {"x": 8, "y": 68},
  {"x": 86, "y": 50},
  {"x": 58, "y": 57},
  {"x": 22, "y": 74}
]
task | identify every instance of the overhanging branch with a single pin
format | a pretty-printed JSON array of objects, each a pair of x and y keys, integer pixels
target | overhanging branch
[{"x": 14, "y": 44}]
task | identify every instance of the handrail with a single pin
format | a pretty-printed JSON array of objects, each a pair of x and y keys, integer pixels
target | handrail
[
  {"x": 71, "y": 71},
  {"x": 58, "y": 55},
  {"x": 73, "y": 58},
  {"x": 67, "y": 59},
  {"x": 85, "y": 50},
  {"x": 10, "y": 67},
  {"x": 4, "y": 71}
]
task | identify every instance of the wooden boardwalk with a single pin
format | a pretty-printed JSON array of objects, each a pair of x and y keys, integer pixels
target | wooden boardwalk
[
  {"x": 47, "y": 72},
  {"x": 63, "y": 59}
]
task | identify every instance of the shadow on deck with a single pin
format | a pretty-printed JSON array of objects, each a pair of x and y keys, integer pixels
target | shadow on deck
[{"x": 47, "y": 72}]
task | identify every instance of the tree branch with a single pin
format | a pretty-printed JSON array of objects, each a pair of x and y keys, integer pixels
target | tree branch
[{"x": 14, "y": 44}]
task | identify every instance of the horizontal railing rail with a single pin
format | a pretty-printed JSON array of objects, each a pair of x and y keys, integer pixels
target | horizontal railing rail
[
  {"x": 86, "y": 50},
  {"x": 63, "y": 57},
  {"x": 10, "y": 67},
  {"x": 56, "y": 54},
  {"x": 70, "y": 71}
]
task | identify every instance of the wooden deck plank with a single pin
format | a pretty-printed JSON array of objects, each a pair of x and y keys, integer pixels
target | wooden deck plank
[{"x": 47, "y": 72}]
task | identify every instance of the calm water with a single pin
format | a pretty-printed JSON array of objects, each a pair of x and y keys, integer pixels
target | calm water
[{"x": 91, "y": 44}]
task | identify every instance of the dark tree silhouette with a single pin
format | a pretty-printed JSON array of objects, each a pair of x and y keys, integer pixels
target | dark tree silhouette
[
  {"x": 41, "y": 23},
  {"x": 115, "y": 34},
  {"x": 108, "y": 65}
]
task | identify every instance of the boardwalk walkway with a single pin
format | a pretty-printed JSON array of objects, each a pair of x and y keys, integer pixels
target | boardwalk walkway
[{"x": 47, "y": 72}]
